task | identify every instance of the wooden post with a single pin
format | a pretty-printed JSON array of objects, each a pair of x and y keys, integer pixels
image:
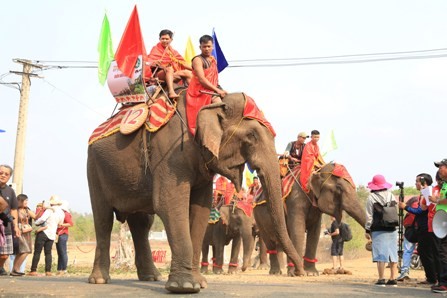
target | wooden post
[{"x": 19, "y": 157}]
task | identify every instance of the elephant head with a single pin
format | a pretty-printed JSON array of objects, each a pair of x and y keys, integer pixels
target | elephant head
[
  {"x": 228, "y": 140},
  {"x": 335, "y": 194}
]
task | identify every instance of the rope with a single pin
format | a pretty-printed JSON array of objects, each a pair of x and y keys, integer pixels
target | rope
[{"x": 86, "y": 252}]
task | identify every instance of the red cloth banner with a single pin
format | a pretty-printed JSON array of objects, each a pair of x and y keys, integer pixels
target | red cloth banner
[{"x": 131, "y": 45}]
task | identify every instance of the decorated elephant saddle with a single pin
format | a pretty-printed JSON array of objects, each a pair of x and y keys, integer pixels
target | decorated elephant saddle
[
  {"x": 130, "y": 118},
  {"x": 214, "y": 216}
]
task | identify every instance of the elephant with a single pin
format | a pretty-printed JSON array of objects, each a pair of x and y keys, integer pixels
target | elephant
[
  {"x": 234, "y": 225},
  {"x": 333, "y": 196},
  {"x": 170, "y": 173}
]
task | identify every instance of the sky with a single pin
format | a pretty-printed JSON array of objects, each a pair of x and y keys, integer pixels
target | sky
[{"x": 386, "y": 115}]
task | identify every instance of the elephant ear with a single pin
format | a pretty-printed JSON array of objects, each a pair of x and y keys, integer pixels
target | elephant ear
[
  {"x": 209, "y": 130},
  {"x": 316, "y": 189}
]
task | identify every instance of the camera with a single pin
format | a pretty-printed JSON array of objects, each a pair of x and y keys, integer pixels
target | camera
[
  {"x": 326, "y": 232},
  {"x": 6, "y": 218},
  {"x": 400, "y": 184}
]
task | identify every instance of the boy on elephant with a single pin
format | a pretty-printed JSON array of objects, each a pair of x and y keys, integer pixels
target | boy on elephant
[
  {"x": 204, "y": 81},
  {"x": 311, "y": 159},
  {"x": 167, "y": 63}
]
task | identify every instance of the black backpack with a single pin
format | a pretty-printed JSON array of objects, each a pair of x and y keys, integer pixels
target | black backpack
[{"x": 345, "y": 231}]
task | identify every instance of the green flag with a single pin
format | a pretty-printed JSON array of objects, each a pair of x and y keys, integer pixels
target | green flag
[
  {"x": 329, "y": 143},
  {"x": 105, "y": 50}
]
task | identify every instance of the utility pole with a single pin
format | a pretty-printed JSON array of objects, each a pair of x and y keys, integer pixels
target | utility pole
[{"x": 19, "y": 157}]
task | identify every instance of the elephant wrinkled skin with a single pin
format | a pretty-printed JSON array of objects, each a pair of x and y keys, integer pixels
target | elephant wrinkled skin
[
  {"x": 334, "y": 195},
  {"x": 170, "y": 174}
]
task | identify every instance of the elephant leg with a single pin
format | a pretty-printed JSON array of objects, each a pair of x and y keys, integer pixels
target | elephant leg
[
  {"x": 313, "y": 225},
  {"x": 103, "y": 221},
  {"x": 198, "y": 223},
  {"x": 174, "y": 214},
  {"x": 275, "y": 266},
  {"x": 248, "y": 243},
  {"x": 263, "y": 263},
  {"x": 296, "y": 226},
  {"x": 139, "y": 225},
  {"x": 219, "y": 237},
  {"x": 234, "y": 259},
  {"x": 206, "y": 248}
]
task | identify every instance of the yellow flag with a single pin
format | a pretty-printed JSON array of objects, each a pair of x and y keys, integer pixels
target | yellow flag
[{"x": 189, "y": 52}]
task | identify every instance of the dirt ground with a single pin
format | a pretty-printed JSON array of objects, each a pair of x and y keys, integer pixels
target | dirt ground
[{"x": 244, "y": 284}]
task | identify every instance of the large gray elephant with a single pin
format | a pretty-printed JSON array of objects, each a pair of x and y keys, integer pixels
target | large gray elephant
[
  {"x": 234, "y": 225},
  {"x": 333, "y": 196},
  {"x": 170, "y": 173}
]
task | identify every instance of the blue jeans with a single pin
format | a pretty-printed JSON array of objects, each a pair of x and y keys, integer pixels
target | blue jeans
[
  {"x": 62, "y": 256},
  {"x": 406, "y": 257}
]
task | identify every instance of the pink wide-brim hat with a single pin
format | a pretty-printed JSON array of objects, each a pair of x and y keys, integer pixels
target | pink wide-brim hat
[{"x": 378, "y": 182}]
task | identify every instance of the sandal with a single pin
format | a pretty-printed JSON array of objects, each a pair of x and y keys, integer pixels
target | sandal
[{"x": 14, "y": 273}]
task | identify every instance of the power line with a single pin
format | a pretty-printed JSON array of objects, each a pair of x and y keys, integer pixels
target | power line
[{"x": 317, "y": 60}]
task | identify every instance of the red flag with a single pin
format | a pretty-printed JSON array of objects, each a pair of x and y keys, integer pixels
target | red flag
[{"x": 131, "y": 45}]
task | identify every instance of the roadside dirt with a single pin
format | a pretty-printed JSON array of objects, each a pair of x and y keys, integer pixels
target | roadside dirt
[{"x": 244, "y": 284}]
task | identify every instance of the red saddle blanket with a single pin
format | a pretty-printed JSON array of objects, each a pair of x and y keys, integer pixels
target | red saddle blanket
[
  {"x": 340, "y": 171},
  {"x": 247, "y": 207},
  {"x": 159, "y": 114}
]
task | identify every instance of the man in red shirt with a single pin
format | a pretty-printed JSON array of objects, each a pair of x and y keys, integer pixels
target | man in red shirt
[
  {"x": 311, "y": 159},
  {"x": 167, "y": 63}
]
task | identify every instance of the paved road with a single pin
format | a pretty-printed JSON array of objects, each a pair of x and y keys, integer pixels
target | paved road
[{"x": 217, "y": 287}]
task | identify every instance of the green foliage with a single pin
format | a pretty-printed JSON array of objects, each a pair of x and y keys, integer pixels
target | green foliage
[
  {"x": 157, "y": 226},
  {"x": 408, "y": 191}
]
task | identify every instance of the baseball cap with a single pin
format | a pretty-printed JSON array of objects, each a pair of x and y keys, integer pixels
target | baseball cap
[
  {"x": 303, "y": 135},
  {"x": 441, "y": 163}
]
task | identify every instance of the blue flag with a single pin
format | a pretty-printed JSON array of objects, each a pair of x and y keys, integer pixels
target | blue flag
[
  {"x": 1, "y": 130},
  {"x": 218, "y": 54}
]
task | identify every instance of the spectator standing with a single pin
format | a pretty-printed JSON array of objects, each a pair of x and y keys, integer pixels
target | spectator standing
[
  {"x": 441, "y": 201},
  {"x": 24, "y": 245},
  {"x": 425, "y": 238},
  {"x": 8, "y": 217},
  {"x": 45, "y": 238},
  {"x": 337, "y": 244},
  {"x": 61, "y": 244},
  {"x": 384, "y": 239},
  {"x": 408, "y": 247}
]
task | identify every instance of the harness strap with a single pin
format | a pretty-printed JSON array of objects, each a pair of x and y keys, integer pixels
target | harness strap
[{"x": 217, "y": 266}]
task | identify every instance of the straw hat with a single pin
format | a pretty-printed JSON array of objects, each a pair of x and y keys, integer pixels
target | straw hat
[
  {"x": 55, "y": 200},
  {"x": 64, "y": 205}
]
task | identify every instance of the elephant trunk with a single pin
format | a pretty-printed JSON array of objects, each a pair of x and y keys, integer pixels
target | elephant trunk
[
  {"x": 272, "y": 186},
  {"x": 355, "y": 210}
]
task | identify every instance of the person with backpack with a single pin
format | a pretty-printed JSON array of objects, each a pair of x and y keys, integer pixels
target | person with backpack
[
  {"x": 381, "y": 222},
  {"x": 337, "y": 244}
]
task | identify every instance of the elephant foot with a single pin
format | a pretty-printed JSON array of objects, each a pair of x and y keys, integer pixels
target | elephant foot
[
  {"x": 149, "y": 277},
  {"x": 232, "y": 270},
  {"x": 218, "y": 270},
  {"x": 199, "y": 278},
  {"x": 311, "y": 269},
  {"x": 149, "y": 274},
  {"x": 275, "y": 271},
  {"x": 98, "y": 278},
  {"x": 182, "y": 284},
  {"x": 312, "y": 272},
  {"x": 204, "y": 269},
  {"x": 264, "y": 266}
]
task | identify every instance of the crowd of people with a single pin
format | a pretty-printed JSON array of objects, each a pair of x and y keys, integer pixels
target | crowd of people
[
  {"x": 51, "y": 218},
  {"x": 381, "y": 229}
]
